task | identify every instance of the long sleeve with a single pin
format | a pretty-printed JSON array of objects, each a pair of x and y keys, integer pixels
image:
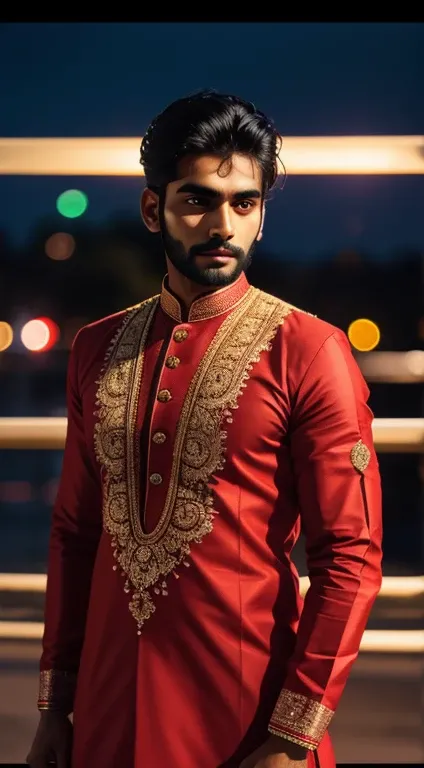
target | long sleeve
[
  {"x": 74, "y": 538},
  {"x": 339, "y": 493}
]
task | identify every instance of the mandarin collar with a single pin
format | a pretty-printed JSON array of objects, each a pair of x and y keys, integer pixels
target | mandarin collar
[{"x": 206, "y": 306}]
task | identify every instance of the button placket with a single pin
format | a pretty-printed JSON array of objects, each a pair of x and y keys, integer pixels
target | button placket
[{"x": 164, "y": 395}]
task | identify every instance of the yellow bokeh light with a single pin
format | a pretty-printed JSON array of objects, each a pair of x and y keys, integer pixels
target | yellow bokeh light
[
  {"x": 6, "y": 335},
  {"x": 363, "y": 334}
]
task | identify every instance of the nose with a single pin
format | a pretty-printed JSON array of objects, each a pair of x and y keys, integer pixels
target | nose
[{"x": 222, "y": 225}]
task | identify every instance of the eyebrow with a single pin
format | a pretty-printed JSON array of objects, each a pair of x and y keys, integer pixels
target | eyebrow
[{"x": 199, "y": 189}]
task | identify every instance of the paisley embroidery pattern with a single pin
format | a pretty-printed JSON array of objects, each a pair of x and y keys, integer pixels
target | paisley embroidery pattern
[{"x": 146, "y": 559}]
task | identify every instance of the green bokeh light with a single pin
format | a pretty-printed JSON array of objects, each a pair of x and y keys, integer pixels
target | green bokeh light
[{"x": 72, "y": 203}]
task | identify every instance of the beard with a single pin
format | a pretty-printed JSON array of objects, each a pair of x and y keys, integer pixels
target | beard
[{"x": 212, "y": 276}]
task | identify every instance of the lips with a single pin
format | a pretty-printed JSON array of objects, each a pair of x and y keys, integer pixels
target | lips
[{"x": 219, "y": 252}]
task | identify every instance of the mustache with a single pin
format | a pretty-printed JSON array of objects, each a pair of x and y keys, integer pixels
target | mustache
[{"x": 212, "y": 245}]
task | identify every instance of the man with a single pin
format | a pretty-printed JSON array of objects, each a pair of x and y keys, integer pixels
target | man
[{"x": 205, "y": 427}]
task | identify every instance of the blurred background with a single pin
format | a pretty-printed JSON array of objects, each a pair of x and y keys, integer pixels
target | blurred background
[{"x": 348, "y": 247}]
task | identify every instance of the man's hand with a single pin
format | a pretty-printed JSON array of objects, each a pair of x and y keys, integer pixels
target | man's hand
[
  {"x": 52, "y": 745},
  {"x": 277, "y": 752}
]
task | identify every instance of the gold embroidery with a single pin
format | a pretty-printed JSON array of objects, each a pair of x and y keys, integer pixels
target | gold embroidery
[
  {"x": 57, "y": 690},
  {"x": 148, "y": 558},
  {"x": 360, "y": 456},
  {"x": 300, "y": 719},
  {"x": 170, "y": 305},
  {"x": 289, "y": 737},
  {"x": 209, "y": 305}
]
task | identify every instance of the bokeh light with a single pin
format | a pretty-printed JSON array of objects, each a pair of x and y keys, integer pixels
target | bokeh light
[
  {"x": 16, "y": 491},
  {"x": 72, "y": 203},
  {"x": 363, "y": 334},
  {"x": 60, "y": 246},
  {"x": 415, "y": 362},
  {"x": 40, "y": 334},
  {"x": 6, "y": 335}
]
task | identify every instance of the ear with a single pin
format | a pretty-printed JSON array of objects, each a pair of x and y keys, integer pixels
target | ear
[{"x": 149, "y": 209}]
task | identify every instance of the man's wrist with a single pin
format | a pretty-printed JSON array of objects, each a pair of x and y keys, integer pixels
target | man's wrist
[{"x": 289, "y": 748}]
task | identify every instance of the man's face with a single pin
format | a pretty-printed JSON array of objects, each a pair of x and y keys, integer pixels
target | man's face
[{"x": 211, "y": 218}]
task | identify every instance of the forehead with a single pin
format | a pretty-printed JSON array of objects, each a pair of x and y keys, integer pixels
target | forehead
[{"x": 236, "y": 174}]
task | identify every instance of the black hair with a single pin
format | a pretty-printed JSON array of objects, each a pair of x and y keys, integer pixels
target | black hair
[{"x": 209, "y": 123}]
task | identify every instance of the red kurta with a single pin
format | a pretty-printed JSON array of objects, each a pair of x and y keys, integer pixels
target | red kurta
[{"x": 196, "y": 449}]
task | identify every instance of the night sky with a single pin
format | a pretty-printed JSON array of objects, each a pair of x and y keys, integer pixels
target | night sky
[{"x": 111, "y": 79}]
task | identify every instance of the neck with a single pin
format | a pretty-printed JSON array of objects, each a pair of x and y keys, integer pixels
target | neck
[{"x": 186, "y": 290}]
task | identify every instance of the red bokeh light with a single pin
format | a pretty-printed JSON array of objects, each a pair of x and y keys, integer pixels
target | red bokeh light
[{"x": 40, "y": 334}]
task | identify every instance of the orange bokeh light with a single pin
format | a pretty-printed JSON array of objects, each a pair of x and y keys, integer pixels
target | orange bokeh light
[
  {"x": 364, "y": 334},
  {"x": 6, "y": 335}
]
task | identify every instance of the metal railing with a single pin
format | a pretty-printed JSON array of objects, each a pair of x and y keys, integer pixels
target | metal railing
[
  {"x": 119, "y": 155},
  {"x": 392, "y": 586},
  {"x": 390, "y": 436},
  {"x": 379, "y": 641}
]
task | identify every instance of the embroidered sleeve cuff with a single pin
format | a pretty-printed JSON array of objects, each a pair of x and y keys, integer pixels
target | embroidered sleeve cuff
[
  {"x": 300, "y": 719},
  {"x": 57, "y": 690}
]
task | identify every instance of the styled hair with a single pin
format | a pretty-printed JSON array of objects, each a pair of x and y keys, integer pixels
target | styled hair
[{"x": 208, "y": 123}]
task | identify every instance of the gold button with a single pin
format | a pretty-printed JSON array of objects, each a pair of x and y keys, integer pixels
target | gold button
[
  {"x": 159, "y": 438},
  {"x": 180, "y": 335},
  {"x": 155, "y": 479},
  {"x": 172, "y": 362},
  {"x": 164, "y": 396}
]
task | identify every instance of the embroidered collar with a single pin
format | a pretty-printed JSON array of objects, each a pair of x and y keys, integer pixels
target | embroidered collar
[{"x": 206, "y": 306}]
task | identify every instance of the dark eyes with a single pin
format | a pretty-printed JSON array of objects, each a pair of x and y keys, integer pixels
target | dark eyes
[
  {"x": 204, "y": 202},
  {"x": 197, "y": 201}
]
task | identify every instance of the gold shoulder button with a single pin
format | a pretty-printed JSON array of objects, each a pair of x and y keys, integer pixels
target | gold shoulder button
[{"x": 360, "y": 456}]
